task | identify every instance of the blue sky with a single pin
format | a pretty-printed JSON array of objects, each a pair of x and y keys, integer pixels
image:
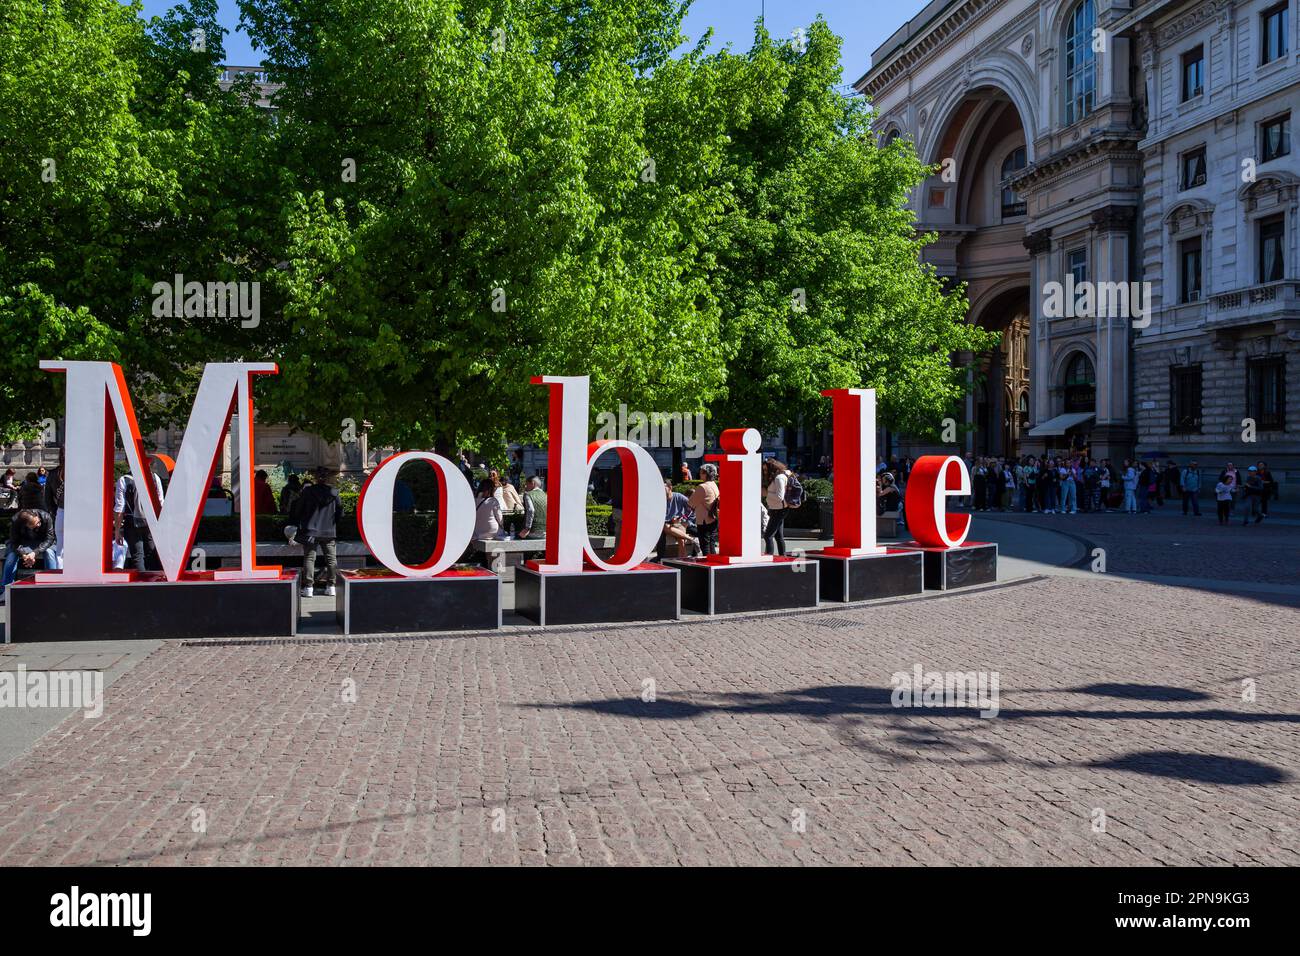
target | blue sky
[{"x": 864, "y": 24}]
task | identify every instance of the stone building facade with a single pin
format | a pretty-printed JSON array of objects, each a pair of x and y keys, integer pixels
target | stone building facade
[
  {"x": 1219, "y": 241},
  {"x": 1059, "y": 132}
]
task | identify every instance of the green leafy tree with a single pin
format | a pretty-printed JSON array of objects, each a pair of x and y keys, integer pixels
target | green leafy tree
[
  {"x": 474, "y": 207},
  {"x": 122, "y": 164},
  {"x": 818, "y": 262}
]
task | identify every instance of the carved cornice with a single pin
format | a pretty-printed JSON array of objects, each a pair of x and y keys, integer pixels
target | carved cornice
[
  {"x": 958, "y": 19},
  {"x": 1114, "y": 218},
  {"x": 1196, "y": 17},
  {"x": 1102, "y": 146},
  {"x": 1038, "y": 243}
]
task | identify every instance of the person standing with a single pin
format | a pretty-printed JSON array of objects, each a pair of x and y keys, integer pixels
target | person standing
[
  {"x": 1069, "y": 489},
  {"x": 775, "y": 479},
  {"x": 130, "y": 526},
  {"x": 704, "y": 502},
  {"x": 1130, "y": 488},
  {"x": 1270, "y": 486},
  {"x": 1190, "y": 483},
  {"x": 1223, "y": 500},
  {"x": 289, "y": 494},
  {"x": 316, "y": 513},
  {"x": 1145, "y": 485},
  {"x": 1230, "y": 478},
  {"x": 55, "y": 496},
  {"x": 1049, "y": 480},
  {"x": 263, "y": 496},
  {"x": 1252, "y": 493},
  {"x": 534, "y": 510}
]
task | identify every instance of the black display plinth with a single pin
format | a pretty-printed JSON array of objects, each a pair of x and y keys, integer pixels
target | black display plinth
[
  {"x": 152, "y": 608},
  {"x": 781, "y": 584},
  {"x": 380, "y": 602},
  {"x": 649, "y": 592},
  {"x": 975, "y": 562},
  {"x": 869, "y": 577}
]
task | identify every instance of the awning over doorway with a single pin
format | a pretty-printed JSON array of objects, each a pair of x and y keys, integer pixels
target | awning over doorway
[{"x": 1060, "y": 424}]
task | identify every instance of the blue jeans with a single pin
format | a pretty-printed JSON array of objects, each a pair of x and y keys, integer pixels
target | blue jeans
[
  {"x": 11, "y": 567},
  {"x": 1069, "y": 500},
  {"x": 1130, "y": 501}
]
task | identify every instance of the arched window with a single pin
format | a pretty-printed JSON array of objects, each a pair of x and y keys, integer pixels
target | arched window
[
  {"x": 1080, "y": 385},
  {"x": 892, "y": 135},
  {"x": 1012, "y": 204},
  {"x": 1080, "y": 62}
]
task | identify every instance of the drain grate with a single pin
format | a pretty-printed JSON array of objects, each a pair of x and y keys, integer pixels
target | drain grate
[{"x": 837, "y": 622}]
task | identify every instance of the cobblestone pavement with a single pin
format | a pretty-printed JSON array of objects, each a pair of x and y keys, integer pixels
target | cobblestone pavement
[
  {"x": 770, "y": 740},
  {"x": 1169, "y": 544}
]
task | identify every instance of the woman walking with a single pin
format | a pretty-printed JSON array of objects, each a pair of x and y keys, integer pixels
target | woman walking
[{"x": 775, "y": 478}]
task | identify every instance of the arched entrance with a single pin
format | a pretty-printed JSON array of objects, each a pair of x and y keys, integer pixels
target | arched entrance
[
  {"x": 981, "y": 218},
  {"x": 1002, "y": 376}
]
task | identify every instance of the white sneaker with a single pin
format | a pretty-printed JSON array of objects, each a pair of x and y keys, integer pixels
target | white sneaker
[
  {"x": 329, "y": 591},
  {"x": 305, "y": 592}
]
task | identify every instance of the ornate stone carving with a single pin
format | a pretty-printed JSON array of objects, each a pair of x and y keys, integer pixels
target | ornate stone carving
[
  {"x": 1114, "y": 218},
  {"x": 1038, "y": 243},
  {"x": 1027, "y": 45}
]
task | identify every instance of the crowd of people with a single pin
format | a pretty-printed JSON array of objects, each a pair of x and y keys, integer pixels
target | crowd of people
[{"x": 1077, "y": 483}]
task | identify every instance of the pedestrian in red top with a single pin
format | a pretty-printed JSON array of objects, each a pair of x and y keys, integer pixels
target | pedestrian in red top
[{"x": 263, "y": 496}]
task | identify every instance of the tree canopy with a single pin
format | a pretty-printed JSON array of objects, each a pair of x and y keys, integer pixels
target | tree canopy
[{"x": 451, "y": 196}]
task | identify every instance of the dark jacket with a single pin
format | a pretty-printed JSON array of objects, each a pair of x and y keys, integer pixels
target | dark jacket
[
  {"x": 31, "y": 495},
  {"x": 316, "y": 513},
  {"x": 36, "y": 540}
]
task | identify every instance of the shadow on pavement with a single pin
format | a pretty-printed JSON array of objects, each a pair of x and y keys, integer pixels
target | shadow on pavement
[{"x": 852, "y": 706}]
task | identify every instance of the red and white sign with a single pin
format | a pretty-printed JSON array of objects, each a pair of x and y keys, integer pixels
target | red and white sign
[
  {"x": 96, "y": 398},
  {"x": 935, "y": 479},
  {"x": 740, "y": 489},
  {"x": 853, "y": 413},
  {"x": 570, "y": 460},
  {"x": 455, "y": 514}
]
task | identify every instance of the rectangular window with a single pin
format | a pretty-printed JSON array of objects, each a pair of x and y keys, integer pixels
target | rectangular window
[
  {"x": 1266, "y": 392},
  {"x": 1189, "y": 258},
  {"x": 1194, "y": 168},
  {"x": 1275, "y": 137},
  {"x": 1185, "y": 400},
  {"x": 1272, "y": 260},
  {"x": 1193, "y": 73},
  {"x": 1274, "y": 29},
  {"x": 1077, "y": 263}
]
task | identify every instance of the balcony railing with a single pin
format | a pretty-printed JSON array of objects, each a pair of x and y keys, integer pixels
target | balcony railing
[{"x": 1255, "y": 304}]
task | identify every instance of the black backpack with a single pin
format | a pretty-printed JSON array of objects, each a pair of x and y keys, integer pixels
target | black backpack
[{"x": 794, "y": 493}]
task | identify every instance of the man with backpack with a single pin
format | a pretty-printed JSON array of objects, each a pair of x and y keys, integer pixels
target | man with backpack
[
  {"x": 130, "y": 527},
  {"x": 316, "y": 514}
]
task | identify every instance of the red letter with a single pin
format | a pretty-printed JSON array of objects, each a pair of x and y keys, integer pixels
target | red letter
[
  {"x": 739, "y": 476},
  {"x": 854, "y": 424},
  {"x": 933, "y": 480}
]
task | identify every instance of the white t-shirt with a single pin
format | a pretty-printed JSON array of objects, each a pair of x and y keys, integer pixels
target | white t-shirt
[{"x": 776, "y": 492}]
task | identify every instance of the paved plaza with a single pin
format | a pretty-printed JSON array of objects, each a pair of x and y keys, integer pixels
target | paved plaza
[{"x": 1126, "y": 734}]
